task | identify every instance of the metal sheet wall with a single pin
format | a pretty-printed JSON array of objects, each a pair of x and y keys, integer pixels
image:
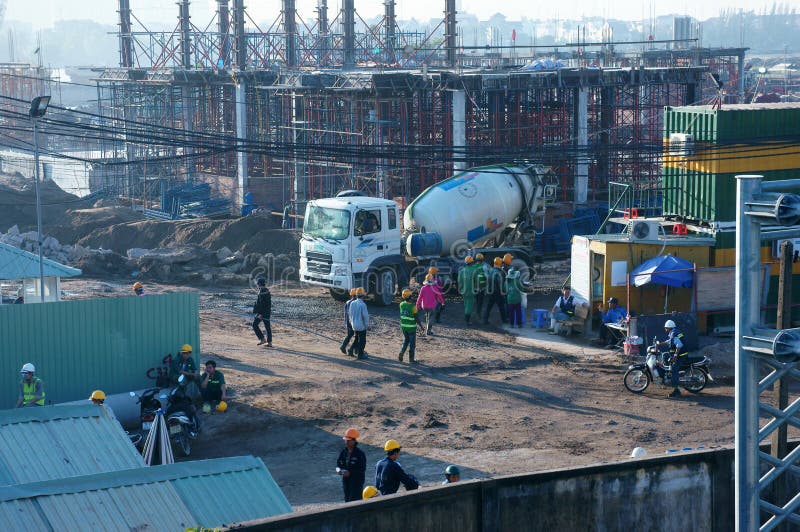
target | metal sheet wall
[{"x": 116, "y": 344}]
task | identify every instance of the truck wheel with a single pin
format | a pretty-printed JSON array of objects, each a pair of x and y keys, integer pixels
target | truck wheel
[
  {"x": 339, "y": 295},
  {"x": 385, "y": 287}
]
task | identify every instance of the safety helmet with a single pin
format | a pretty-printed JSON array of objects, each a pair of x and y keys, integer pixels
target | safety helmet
[
  {"x": 507, "y": 258},
  {"x": 360, "y": 292},
  {"x": 638, "y": 452},
  {"x": 468, "y": 259},
  {"x": 479, "y": 256},
  {"x": 98, "y": 395},
  {"x": 669, "y": 324},
  {"x": 433, "y": 270},
  {"x": 138, "y": 286},
  {"x": 351, "y": 433},
  {"x": 28, "y": 368},
  {"x": 391, "y": 445},
  {"x": 186, "y": 348},
  {"x": 206, "y": 408},
  {"x": 352, "y": 292},
  {"x": 613, "y": 300},
  {"x": 452, "y": 470},
  {"x": 429, "y": 277},
  {"x": 222, "y": 406},
  {"x": 369, "y": 492},
  {"x": 406, "y": 293},
  {"x": 498, "y": 261}
]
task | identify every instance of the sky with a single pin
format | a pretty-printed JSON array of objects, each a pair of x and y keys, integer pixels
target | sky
[{"x": 44, "y": 13}]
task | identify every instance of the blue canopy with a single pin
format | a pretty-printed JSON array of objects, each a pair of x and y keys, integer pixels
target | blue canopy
[{"x": 660, "y": 270}]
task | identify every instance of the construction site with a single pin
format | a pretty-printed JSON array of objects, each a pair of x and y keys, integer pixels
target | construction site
[{"x": 193, "y": 169}]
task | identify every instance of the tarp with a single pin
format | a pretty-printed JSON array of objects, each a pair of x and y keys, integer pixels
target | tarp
[{"x": 662, "y": 270}]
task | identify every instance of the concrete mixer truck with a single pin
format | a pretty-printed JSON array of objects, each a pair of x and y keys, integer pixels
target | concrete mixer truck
[{"x": 353, "y": 240}]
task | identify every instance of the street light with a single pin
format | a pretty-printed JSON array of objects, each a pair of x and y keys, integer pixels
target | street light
[{"x": 38, "y": 110}]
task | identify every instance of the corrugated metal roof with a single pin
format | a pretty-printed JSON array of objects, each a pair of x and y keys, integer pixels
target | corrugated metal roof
[
  {"x": 67, "y": 441},
  {"x": 17, "y": 263},
  {"x": 207, "y": 493},
  {"x": 730, "y": 107}
]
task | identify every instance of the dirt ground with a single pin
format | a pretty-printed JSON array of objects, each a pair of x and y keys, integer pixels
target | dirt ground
[{"x": 477, "y": 398}]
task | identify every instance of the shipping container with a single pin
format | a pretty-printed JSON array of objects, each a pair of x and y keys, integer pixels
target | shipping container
[{"x": 699, "y": 176}]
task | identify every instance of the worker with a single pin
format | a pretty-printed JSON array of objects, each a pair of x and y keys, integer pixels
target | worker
[
  {"x": 514, "y": 297},
  {"x": 286, "y": 222},
  {"x": 98, "y": 398},
  {"x": 344, "y": 347},
  {"x": 389, "y": 473},
  {"x": 138, "y": 288},
  {"x": 563, "y": 309},
  {"x": 409, "y": 321},
  {"x": 434, "y": 271},
  {"x": 212, "y": 384},
  {"x": 351, "y": 466},
  {"x": 481, "y": 278},
  {"x": 429, "y": 298},
  {"x": 31, "y": 388},
  {"x": 452, "y": 474},
  {"x": 370, "y": 492},
  {"x": 615, "y": 314},
  {"x": 263, "y": 310},
  {"x": 508, "y": 258},
  {"x": 468, "y": 286},
  {"x": 184, "y": 365},
  {"x": 680, "y": 356},
  {"x": 359, "y": 321},
  {"x": 494, "y": 292}
]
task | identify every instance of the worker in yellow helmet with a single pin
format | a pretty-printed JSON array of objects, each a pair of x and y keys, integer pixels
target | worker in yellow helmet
[
  {"x": 409, "y": 321},
  {"x": 138, "y": 288},
  {"x": 389, "y": 474},
  {"x": 495, "y": 291},
  {"x": 184, "y": 365},
  {"x": 351, "y": 466},
  {"x": 481, "y": 277},
  {"x": 429, "y": 299}
]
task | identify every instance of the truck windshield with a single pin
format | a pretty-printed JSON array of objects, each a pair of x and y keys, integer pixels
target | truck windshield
[{"x": 326, "y": 223}]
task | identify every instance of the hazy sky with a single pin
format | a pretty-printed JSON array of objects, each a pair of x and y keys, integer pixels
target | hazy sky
[{"x": 46, "y": 12}]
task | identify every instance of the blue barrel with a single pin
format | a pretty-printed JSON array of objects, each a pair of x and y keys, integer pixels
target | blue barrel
[{"x": 424, "y": 244}]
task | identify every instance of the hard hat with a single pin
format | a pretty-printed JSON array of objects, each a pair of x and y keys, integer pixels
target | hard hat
[
  {"x": 498, "y": 261},
  {"x": 433, "y": 270},
  {"x": 479, "y": 256},
  {"x": 369, "y": 492},
  {"x": 222, "y": 406},
  {"x": 186, "y": 348},
  {"x": 638, "y": 452},
  {"x": 429, "y": 277},
  {"x": 613, "y": 300},
  {"x": 507, "y": 258},
  {"x": 206, "y": 408},
  {"x": 406, "y": 293},
  {"x": 352, "y": 292},
  {"x": 98, "y": 395},
  {"x": 28, "y": 368},
  {"x": 351, "y": 433},
  {"x": 452, "y": 470},
  {"x": 138, "y": 286},
  {"x": 669, "y": 324},
  {"x": 391, "y": 445},
  {"x": 468, "y": 259},
  {"x": 360, "y": 292}
]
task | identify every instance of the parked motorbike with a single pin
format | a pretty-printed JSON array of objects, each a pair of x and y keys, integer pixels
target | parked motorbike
[
  {"x": 149, "y": 404},
  {"x": 182, "y": 421},
  {"x": 693, "y": 378}
]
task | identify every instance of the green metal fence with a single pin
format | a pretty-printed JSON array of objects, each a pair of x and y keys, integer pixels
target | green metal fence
[{"x": 115, "y": 344}]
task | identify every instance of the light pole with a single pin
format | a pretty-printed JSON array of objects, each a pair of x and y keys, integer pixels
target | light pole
[{"x": 38, "y": 110}]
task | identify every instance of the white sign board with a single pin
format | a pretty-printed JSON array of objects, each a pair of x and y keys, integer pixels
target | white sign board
[
  {"x": 581, "y": 268},
  {"x": 619, "y": 273}
]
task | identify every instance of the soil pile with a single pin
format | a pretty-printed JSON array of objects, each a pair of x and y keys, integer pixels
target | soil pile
[{"x": 18, "y": 203}]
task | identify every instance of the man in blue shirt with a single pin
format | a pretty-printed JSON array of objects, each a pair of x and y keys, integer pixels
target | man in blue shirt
[
  {"x": 615, "y": 314},
  {"x": 389, "y": 473}
]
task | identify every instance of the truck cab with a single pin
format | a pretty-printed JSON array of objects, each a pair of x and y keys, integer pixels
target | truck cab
[{"x": 349, "y": 242}]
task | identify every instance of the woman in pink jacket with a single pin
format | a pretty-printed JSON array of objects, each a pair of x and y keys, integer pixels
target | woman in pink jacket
[{"x": 429, "y": 295}]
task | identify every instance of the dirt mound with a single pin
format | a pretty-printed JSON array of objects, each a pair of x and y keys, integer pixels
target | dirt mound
[
  {"x": 80, "y": 222},
  {"x": 18, "y": 202}
]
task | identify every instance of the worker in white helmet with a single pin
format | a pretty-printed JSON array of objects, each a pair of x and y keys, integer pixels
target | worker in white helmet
[{"x": 31, "y": 388}]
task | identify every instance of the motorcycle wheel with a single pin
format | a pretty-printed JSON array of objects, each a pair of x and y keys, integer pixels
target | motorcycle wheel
[
  {"x": 184, "y": 443},
  {"x": 694, "y": 380},
  {"x": 636, "y": 380}
]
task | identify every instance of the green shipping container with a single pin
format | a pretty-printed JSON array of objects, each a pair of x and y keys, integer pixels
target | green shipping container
[{"x": 737, "y": 139}]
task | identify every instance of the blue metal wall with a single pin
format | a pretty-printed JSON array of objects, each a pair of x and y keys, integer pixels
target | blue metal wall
[{"x": 115, "y": 344}]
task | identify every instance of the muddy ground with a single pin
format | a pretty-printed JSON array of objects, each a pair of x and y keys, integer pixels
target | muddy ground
[{"x": 477, "y": 398}]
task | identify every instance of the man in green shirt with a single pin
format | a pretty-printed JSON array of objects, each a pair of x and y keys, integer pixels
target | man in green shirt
[
  {"x": 184, "y": 365},
  {"x": 212, "y": 384},
  {"x": 409, "y": 321},
  {"x": 468, "y": 286}
]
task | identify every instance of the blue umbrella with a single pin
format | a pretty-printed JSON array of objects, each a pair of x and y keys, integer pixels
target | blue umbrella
[{"x": 660, "y": 270}]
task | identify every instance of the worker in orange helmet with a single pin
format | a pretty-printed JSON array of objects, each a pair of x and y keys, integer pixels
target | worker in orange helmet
[{"x": 351, "y": 466}]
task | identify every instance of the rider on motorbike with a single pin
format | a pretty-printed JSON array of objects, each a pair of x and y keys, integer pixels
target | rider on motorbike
[{"x": 679, "y": 358}]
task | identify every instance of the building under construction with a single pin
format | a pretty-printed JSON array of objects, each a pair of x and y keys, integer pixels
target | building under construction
[{"x": 302, "y": 110}]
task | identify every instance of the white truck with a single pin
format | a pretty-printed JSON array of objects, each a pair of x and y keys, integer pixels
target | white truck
[{"x": 354, "y": 240}]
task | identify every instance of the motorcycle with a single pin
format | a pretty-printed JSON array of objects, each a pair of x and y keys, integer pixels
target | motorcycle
[
  {"x": 182, "y": 421},
  {"x": 693, "y": 378},
  {"x": 149, "y": 404}
]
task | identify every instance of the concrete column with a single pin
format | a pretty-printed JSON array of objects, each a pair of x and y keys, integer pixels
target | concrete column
[
  {"x": 187, "y": 111},
  {"x": 125, "y": 38},
  {"x": 740, "y": 71},
  {"x": 390, "y": 23},
  {"x": 299, "y": 193},
  {"x": 186, "y": 39},
  {"x": 582, "y": 143},
  {"x": 322, "y": 32},
  {"x": 241, "y": 134},
  {"x": 290, "y": 28},
  {"x": 459, "y": 105},
  {"x": 239, "y": 35},
  {"x": 450, "y": 32},
  {"x": 349, "y": 30},
  {"x": 223, "y": 27}
]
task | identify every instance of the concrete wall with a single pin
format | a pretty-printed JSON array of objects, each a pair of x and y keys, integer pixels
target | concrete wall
[{"x": 687, "y": 491}]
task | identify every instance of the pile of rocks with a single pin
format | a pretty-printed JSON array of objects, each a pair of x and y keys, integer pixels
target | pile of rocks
[{"x": 51, "y": 247}]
